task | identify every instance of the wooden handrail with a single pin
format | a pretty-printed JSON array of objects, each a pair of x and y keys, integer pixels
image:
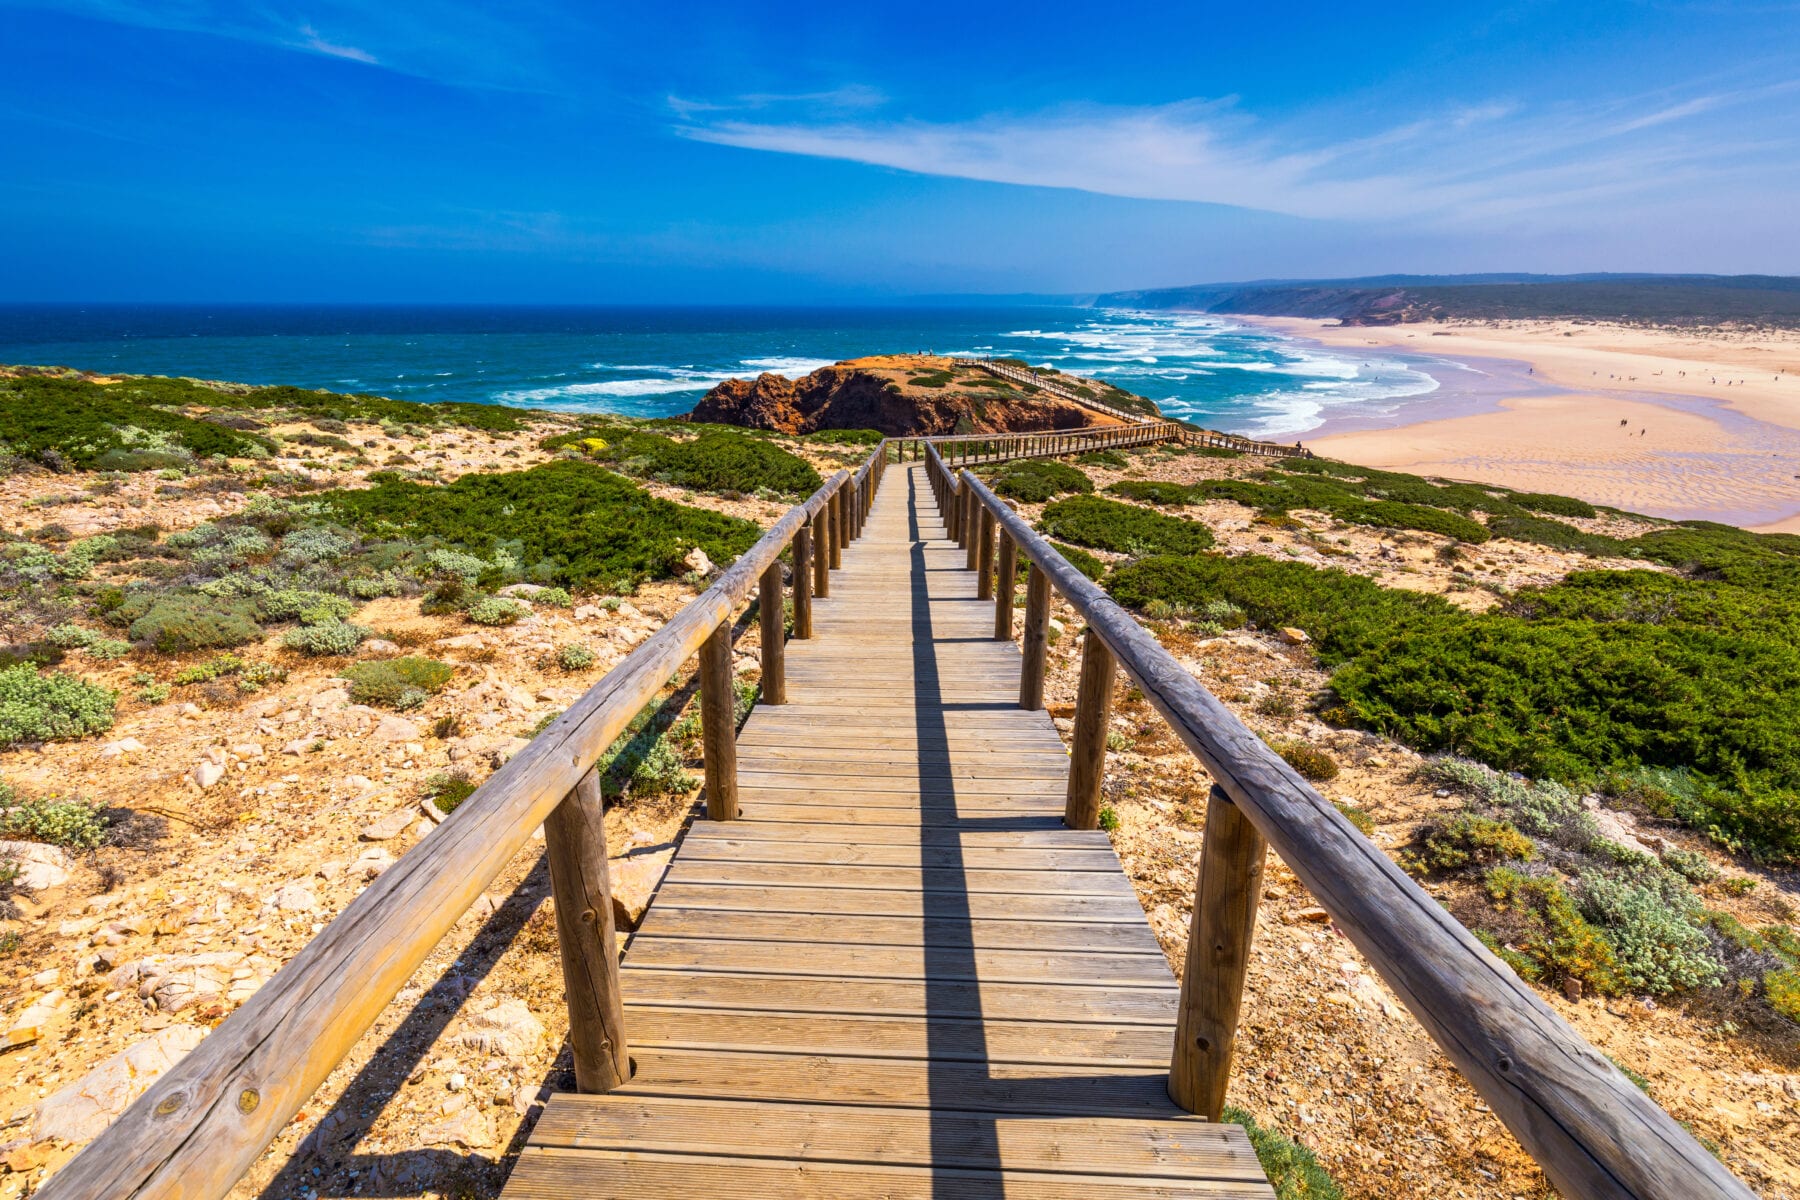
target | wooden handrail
[
  {"x": 201, "y": 1125},
  {"x": 1590, "y": 1129}
]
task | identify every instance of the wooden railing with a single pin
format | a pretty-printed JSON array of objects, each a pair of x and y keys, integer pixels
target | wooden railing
[
  {"x": 1191, "y": 435},
  {"x": 1590, "y": 1129},
  {"x": 997, "y": 447},
  {"x": 199, "y": 1126}
]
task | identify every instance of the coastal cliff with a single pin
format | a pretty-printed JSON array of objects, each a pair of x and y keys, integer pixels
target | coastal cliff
[{"x": 903, "y": 395}]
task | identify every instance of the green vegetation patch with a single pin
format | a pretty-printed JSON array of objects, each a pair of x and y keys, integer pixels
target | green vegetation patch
[
  {"x": 72, "y": 823},
  {"x": 719, "y": 460},
  {"x": 51, "y": 708},
  {"x": 67, "y": 423},
  {"x": 1294, "y": 1171},
  {"x": 570, "y": 523},
  {"x": 397, "y": 683},
  {"x": 1034, "y": 481},
  {"x": 1122, "y": 528}
]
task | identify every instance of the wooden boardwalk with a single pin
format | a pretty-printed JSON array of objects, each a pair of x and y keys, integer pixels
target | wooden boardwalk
[{"x": 896, "y": 974}]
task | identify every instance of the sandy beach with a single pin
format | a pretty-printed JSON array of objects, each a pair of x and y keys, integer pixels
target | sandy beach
[{"x": 1664, "y": 422}]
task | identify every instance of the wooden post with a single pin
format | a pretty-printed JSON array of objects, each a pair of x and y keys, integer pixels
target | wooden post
[
  {"x": 1037, "y": 640},
  {"x": 971, "y": 525},
  {"x": 575, "y": 844},
  {"x": 837, "y": 529},
  {"x": 845, "y": 503},
  {"x": 821, "y": 551},
  {"x": 1006, "y": 581},
  {"x": 769, "y": 618},
  {"x": 984, "y": 582},
  {"x": 718, "y": 724},
  {"x": 803, "y": 573},
  {"x": 1218, "y": 957},
  {"x": 1093, "y": 717}
]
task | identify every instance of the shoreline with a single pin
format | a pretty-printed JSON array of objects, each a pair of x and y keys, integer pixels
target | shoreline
[{"x": 1627, "y": 418}]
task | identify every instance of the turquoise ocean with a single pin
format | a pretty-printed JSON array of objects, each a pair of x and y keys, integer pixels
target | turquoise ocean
[{"x": 659, "y": 361}]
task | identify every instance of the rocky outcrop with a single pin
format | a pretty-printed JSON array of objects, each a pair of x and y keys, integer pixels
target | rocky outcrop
[{"x": 848, "y": 396}]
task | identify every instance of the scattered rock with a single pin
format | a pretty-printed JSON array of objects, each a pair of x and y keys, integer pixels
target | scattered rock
[
  {"x": 298, "y": 746},
  {"x": 80, "y": 1111},
  {"x": 122, "y": 746},
  {"x": 377, "y": 648},
  {"x": 397, "y": 729},
  {"x": 697, "y": 562},
  {"x": 431, "y": 812},
  {"x": 1316, "y": 915},
  {"x": 469, "y": 1128},
  {"x": 390, "y": 826},
  {"x": 296, "y": 897},
  {"x": 372, "y": 862},
  {"x": 207, "y": 772},
  {"x": 1293, "y": 636},
  {"x": 508, "y": 1029}
]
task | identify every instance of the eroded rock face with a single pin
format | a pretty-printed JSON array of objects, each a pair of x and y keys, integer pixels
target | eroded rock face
[
  {"x": 80, "y": 1111},
  {"x": 848, "y": 397}
]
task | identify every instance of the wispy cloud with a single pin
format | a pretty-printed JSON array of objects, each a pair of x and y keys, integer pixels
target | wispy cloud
[
  {"x": 849, "y": 98},
  {"x": 1470, "y": 163}
]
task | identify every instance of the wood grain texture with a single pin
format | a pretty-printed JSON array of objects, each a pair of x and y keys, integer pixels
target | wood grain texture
[
  {"x": 575, "y": 845},
  {"x": 1226, "y": 896},
  {"x": 1087, "y": 746},
  {"x": 772, "y": 636},
  {"x": 718, "y": 726}
]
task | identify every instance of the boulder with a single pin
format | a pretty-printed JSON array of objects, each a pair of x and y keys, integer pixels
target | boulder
[
  {"x": 1293, "y": 636},
  {"x": 397, "y": 729},
  {"x": 697, "y": 562},
  {"x": 80, "y": 1111},
  {"x": 634, "y": 880},
  {"x": 40, "y": 867}
]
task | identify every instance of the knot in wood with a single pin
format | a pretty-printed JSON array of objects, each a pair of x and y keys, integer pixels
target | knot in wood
[{"x": 248, "y": 1099}]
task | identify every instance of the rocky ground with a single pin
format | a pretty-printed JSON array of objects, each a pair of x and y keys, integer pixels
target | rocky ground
[{"x": 244, "y": 824}]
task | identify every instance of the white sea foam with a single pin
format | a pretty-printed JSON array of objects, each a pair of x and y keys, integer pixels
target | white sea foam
[{"x": 791, "y": 367}]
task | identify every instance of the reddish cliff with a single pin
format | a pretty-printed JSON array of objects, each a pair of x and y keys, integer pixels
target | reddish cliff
[{"x": 899, "y": 395}]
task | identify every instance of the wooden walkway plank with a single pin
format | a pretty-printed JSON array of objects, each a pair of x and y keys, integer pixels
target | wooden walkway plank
[{"x": 897, "y": 973}]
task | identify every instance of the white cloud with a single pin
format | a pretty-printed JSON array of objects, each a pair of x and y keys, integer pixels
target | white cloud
[{"x": 1470, "y": 163}]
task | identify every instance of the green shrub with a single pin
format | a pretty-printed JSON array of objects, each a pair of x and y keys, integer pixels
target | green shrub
[
  {"x": 1469, "y": 840},
  {"x": 717, "y": 460},
  {"x": 1109, "y": 818},
  {"x": 325, "y": 638},
  {"x": 1103, "y": 458},
  {"x": 554, "y": 597},
  {"x": 51, "y": 708},
  {"x": 309, "y": 608},
  {"x": 74, "y": 423},
  {"x": 1782, "y": 990},
  {"x": 399, "y": 683},
  {"x": 71, "y": 823},
  {"x": 446, "y": 790},
  {"x": 574, "y": 658},
  {"x": 1294, "y": 1171},
  {"x": 1691, "y": 865},
  {"x": 1562, "y": 506},
  {"x": 1078, "y": 558},
  {"x": 1558, "y": 939},
  {"x": 495, "y": 610},
  {"x": 225, "y": 664},
  {"x": 845, "y": 437},
  {"x": 1558, "y": 536},
  {"x": 641, "y": 761},
  {"x": 571, "y": 523},
  {"x": 1311, "y": 762},
  {"x": 1033, "y": 481},
  {"x": 1358, "y": 817},
  {"x": 177, "y": 622},
  {"x": 1153, "y": 491},
  {"x": 1122, "y": 528},
  {"x": 1657, "y": 947}
]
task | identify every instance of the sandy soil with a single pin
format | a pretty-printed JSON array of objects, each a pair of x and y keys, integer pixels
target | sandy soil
[{"x": 1675, "y": 424}]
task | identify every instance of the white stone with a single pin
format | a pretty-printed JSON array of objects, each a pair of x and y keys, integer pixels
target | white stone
[
  {"x": 634, "y": 880},
  {"x": 695, "y": 561},
  {"x": 297, "y": 747},
  {"x": 207, "y": 772},
  {"x": 372, "y": 862},
  {"x": 295, "y": 897},
  {"x": 507, "y": 1029},
  {"x": 397, "y": 729},
  {"x": 248, "y": 750},
  {"x": 390, "y": 826},
  {"x": 122, "y": 746},
  {"x": 40, "y": 867},
  {"x": 377, "y": 648},
  {"x": 80, "y": 1111}
]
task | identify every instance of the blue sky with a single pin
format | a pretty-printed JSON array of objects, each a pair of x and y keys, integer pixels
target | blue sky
[{"x": 620, "y": 153}]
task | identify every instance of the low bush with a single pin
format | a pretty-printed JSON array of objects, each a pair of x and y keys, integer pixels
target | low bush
[
  {"x": 1122, "y": 528},
  {"x": 1153, "y": 491},
  {"x": 1561, "y": 506},
  {"x": 1103, "y": 458},
  {"x": 1311, "y": 762},
  {"x": 446, "y": 790},
  {"x": 571, "y": 523},
  {"x": 716, "y": 460},
  {"x": 51, "y": 708},
  {"x": 1558, "y": 536},
  {"x": 1470, "y": 840},
  {"x": 71, "y": 823},
  {"x": 1034, "y": 481},
  {"x": 325, "y": 638},
  {"x": 495, "y": 610},
  {"x": 176, "y": 622},
  {"x": 1554, "y": 934},
  {"x": 70, "y": 423},
  {"x": 398, "y": 683},
  {"x": 574, "y": 658}
]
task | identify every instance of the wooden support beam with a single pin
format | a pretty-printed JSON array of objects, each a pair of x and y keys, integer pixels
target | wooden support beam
[
  {"x": 971, "y": 527},
  {"x": 718, "y": 724},
  {"x": 838, "y": 540},
  {"x": 1218, "y": 957},
  {"x": 984, "y": 580},
  {"x": 575, "y": 845},
  {"x": 821, "y": 551},
  {"x": 1037, "y": 639},
  {"x": 1093, "y": 718},
  {"x": 803, "y": 579},
  {"x": 1006, "y": 583},
  {"x": 771, "y": 626}
]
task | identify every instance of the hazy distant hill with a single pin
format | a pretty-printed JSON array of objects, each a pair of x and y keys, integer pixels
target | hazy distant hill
[{"x": 1767, "y": 300}]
